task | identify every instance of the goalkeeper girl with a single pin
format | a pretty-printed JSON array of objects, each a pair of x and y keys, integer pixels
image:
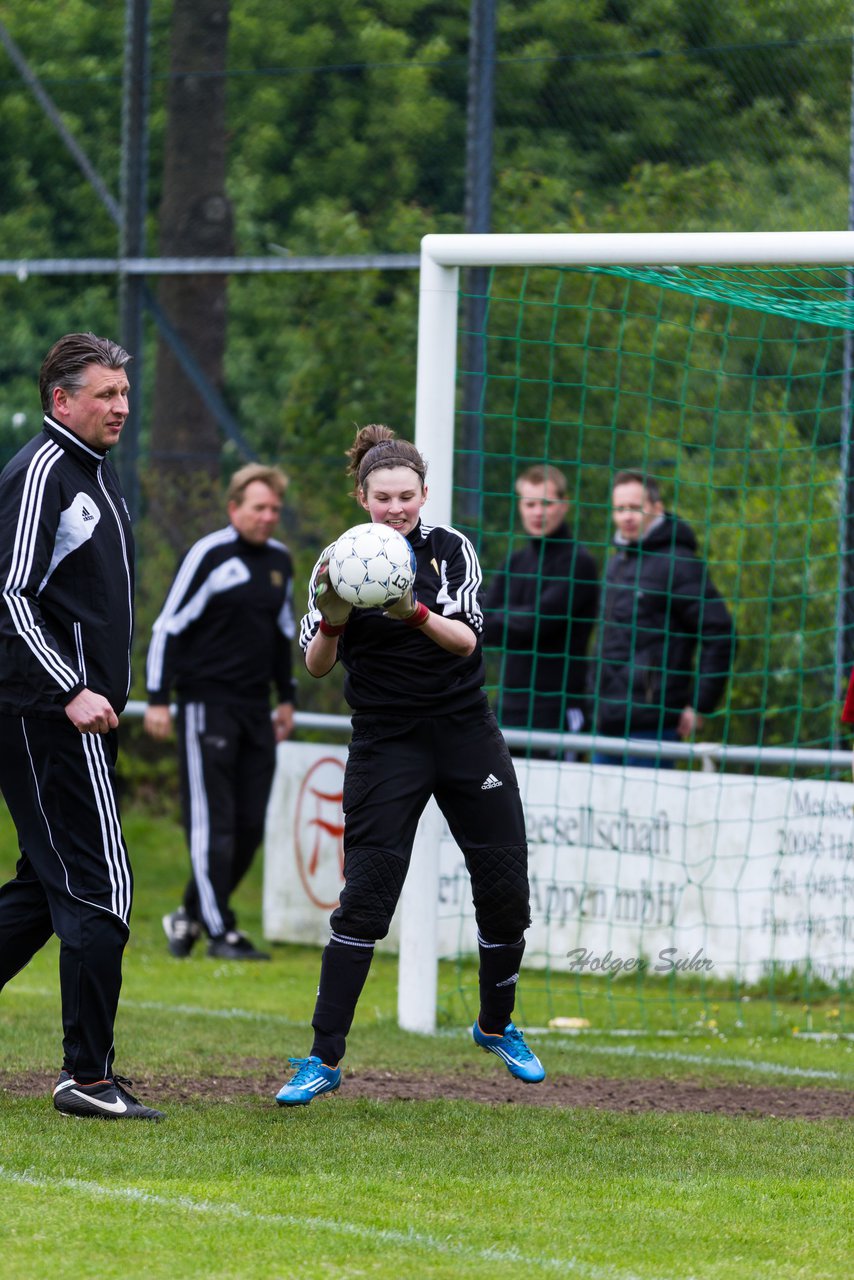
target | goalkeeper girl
[{"x": 421, "y": 726}]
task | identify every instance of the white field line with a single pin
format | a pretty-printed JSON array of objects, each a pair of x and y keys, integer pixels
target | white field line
[
  {"x": 697, "y": 1059},
  {"x": 186, "y": 1010},
  {"x": 414, "y": 1240},
  {"x": 563, "y": 1042}
]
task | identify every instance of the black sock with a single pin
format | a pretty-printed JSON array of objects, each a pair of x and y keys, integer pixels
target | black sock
[
  {"x": 343, "y": 971},
  {"x": 497, "y": 976}
]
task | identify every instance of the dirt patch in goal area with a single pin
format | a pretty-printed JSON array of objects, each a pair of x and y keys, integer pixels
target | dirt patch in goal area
[{"x": 596, "y": 1092}]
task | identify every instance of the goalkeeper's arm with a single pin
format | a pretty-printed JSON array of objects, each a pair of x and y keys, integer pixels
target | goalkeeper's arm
[
  {"x": 321, "y": 653},
  {"x": 448, "y": 633}
]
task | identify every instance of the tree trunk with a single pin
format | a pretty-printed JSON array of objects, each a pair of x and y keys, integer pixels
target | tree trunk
[{"x": 195, "y": 220}]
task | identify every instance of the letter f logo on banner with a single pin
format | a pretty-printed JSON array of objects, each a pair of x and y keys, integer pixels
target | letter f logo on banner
[{"x": 319, "y": 832}]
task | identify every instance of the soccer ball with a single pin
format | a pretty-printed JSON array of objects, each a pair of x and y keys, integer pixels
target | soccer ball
[{"x": 371, "y": 566}]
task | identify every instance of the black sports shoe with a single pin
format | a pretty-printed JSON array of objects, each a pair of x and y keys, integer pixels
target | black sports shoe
[
  {"x": 181, "y": 933},
  {"x": 105, "y": 1099},
  {"x": 234, "y": 946}
]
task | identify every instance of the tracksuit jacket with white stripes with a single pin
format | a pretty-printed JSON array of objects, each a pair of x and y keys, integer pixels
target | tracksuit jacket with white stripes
[
  {"x": 224, "y": 633},
  {"x": 66, "y": 576}
]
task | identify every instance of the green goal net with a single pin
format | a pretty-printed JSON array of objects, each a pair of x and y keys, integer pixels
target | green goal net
[{"x": 711, "y": 887}]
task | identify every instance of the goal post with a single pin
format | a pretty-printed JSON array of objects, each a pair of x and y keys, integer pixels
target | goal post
[{"x": 656, "y": 259}]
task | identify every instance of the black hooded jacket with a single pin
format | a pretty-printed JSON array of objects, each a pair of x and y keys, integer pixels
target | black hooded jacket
[
  {"x": 541, "y": 609},
  {"x": 659, "y": 605}
]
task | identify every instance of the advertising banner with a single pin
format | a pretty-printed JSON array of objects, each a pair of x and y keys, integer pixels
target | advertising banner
[{"x": 661, "y": 867}]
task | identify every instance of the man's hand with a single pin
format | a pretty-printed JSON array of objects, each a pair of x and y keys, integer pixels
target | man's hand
[
  {"x": 157, "y": 721},
  {"x": 283, "y": 720},
  {"x": 335, "y": 610},
  {"x": 690, "y": 723},
  {"x": 91, "y": 713}
]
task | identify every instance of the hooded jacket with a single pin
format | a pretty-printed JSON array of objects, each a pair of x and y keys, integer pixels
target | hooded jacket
[
  {"x": 66, "y": 577},
  {"x": 542, "y": 608},
  {"x": 659, "y": 605}
]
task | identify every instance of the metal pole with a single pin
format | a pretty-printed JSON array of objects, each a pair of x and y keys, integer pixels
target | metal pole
[
  {"x": 845, "y": 595},
  {"x": 478, "y": 216},
  {"x": 434, "y": 435},
  {"x": 132, "y": 228}
]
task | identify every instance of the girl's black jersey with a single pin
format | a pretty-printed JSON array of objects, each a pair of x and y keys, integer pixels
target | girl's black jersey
[{"x": 392, "y": 669}]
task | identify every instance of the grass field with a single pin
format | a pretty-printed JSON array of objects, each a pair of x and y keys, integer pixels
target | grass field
[{"x": 232, "y": 1186}]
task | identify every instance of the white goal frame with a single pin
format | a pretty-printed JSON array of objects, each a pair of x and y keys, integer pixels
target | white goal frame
[{"x": 442, "y": 257}]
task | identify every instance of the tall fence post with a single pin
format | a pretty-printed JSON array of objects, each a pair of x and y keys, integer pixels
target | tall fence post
[
  {"x": 132, "y": 229},
  {"x": 478, "y": 217}
]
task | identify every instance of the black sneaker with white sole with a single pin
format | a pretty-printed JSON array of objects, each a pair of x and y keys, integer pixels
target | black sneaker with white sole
[
  {"x": 103, "y": 1100},
  {"x": 234, "y": 946},
  {"x": 181, "y": 933}
]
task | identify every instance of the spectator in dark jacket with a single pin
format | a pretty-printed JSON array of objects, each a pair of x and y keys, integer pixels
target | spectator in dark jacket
[
  {"x": 659, "y": 606},
  {"x": 541, "y": 609}
]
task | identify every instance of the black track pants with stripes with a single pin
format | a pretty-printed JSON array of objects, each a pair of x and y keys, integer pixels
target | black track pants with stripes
[
  {"x": 227, "y": 755},
  {"x": 73, "y": 877}
]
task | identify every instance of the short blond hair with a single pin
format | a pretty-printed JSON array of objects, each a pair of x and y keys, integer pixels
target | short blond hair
[
  {"x": 273, "y": 477},
  {"x": 543, "y": 473}
]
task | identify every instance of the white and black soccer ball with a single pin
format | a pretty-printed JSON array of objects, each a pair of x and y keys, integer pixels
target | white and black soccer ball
[{"x": 371, "y": 566}]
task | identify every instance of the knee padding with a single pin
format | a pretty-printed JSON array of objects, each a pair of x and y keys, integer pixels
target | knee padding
[
  {"x": 500, "y": 893},
  {"x": 373, "y": 881}
]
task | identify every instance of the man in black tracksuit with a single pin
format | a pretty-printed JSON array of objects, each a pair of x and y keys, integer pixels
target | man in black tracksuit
[
  {"x": 223, "y": 641},
  {"x": 541, "y": 610},
  {"x": 659, "y": 606},
  {"x": 66, "y": 620}
]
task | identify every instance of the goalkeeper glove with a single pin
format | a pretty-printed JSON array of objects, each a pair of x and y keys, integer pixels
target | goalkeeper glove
[
  {"x": 407, "y": 609},
  {"x": 335, "y": 611}
]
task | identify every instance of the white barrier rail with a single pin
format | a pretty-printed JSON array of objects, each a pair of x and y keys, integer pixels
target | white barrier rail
[{"x": 714, "y": 752}]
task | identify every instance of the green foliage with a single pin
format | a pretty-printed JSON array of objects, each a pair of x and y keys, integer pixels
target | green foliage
[
  {"x": 147, "y": 772},
  {"x": 347, "y": 130}
]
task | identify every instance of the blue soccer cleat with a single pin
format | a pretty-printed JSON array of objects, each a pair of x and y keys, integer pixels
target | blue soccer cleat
[
  {"x": 513, "y": 1052},
  {"x": 312, "y": 1079}
]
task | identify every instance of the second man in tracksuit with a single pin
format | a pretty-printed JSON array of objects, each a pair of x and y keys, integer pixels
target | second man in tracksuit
[{"x": 222, "y": 642}]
